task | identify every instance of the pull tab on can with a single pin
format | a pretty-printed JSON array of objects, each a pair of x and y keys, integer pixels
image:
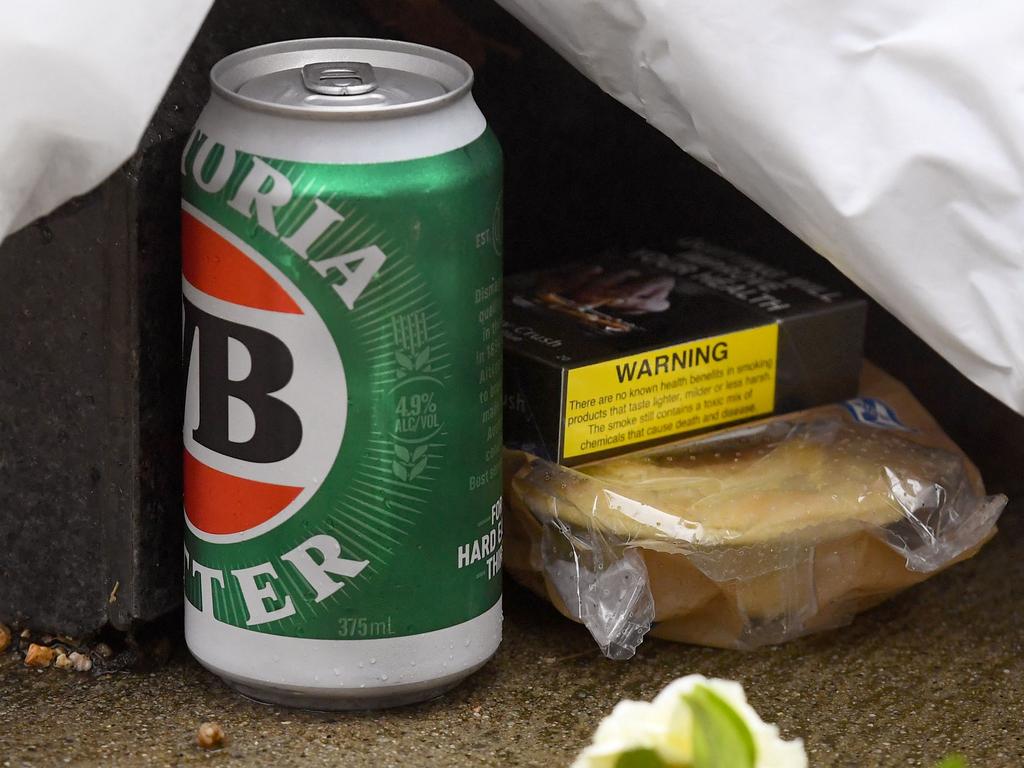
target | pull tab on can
[{"x": 339, "y": 78}]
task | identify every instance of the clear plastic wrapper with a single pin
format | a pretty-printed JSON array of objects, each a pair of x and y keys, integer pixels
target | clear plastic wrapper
[{"x": 753, "y": 535}]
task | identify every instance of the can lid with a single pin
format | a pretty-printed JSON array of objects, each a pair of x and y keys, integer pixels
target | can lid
[{"x": 342, "y": 78}]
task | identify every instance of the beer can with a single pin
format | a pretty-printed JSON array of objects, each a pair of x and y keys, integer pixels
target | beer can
[{"x": 341, "y": 278}]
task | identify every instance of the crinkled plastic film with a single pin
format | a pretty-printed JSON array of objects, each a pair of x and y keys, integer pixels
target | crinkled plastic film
[{"x": 753, "y": 535}]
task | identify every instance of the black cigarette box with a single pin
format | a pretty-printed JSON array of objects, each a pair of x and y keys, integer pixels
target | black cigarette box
[{"x": 629, "y": 350}]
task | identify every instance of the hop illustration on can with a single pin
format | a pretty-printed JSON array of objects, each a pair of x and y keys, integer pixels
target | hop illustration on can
[{"x": 341, "y": 289}]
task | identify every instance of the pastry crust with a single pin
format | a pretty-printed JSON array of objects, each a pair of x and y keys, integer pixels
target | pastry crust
[{"x": 755, "y": 534}]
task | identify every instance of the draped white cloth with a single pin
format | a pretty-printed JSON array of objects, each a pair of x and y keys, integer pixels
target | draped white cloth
[
  {"x": 889, "y": 135},
  {"x": 79, "y": 82}
]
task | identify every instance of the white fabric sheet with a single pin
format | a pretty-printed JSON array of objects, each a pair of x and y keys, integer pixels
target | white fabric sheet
[
  {"x": 79, "y": 82},
  {"x": 889, "y": 135}
]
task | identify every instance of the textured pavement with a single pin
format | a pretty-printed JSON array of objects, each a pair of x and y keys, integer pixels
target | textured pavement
[{"x": 937, "y": 670}]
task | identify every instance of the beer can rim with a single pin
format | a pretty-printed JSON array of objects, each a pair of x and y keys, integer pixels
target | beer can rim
[{"x": 235, "y": 70}]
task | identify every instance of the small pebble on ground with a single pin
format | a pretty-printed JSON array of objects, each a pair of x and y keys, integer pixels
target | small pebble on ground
[
  {"x": 210, "y": 735},
  {"x": 103, "y": 650},
  {"x": 80, "y": 662},
  {"x": 39, "y": 656}
]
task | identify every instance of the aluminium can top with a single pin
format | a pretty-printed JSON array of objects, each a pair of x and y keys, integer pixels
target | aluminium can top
[{"x": 342, "y": 78}]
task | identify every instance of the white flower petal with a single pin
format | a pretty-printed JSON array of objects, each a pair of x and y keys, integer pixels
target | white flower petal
[{"x": 666, "y": 725}]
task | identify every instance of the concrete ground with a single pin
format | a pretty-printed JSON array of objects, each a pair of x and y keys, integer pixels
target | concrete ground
[{"x": 938, "y": 670}]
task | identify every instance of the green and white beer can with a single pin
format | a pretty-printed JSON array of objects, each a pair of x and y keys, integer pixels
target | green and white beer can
[{"x": 341, "y": 279}]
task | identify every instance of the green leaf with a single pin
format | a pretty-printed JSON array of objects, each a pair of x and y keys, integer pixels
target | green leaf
[
  {"x": 953, "y": 761},
  {"x": 399, "y": 471},
  {"x": 720, "y": 737},
  {"x": 403, "y": 360},
  {"x": 402, "y": 453},
  {"x": 419, "y": 452},
  {"x": 423, "y": 358},
  {"x": 640, "y": 758},
  {"x": 417, "y": 469}
]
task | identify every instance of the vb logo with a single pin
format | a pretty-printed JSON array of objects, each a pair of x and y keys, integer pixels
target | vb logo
[
  {"x": 265, "y": 391},
  {"x": 276, "y": 430}
]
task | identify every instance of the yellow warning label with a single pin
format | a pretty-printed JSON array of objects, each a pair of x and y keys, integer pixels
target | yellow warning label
[{"x": 669, "y": 391}]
